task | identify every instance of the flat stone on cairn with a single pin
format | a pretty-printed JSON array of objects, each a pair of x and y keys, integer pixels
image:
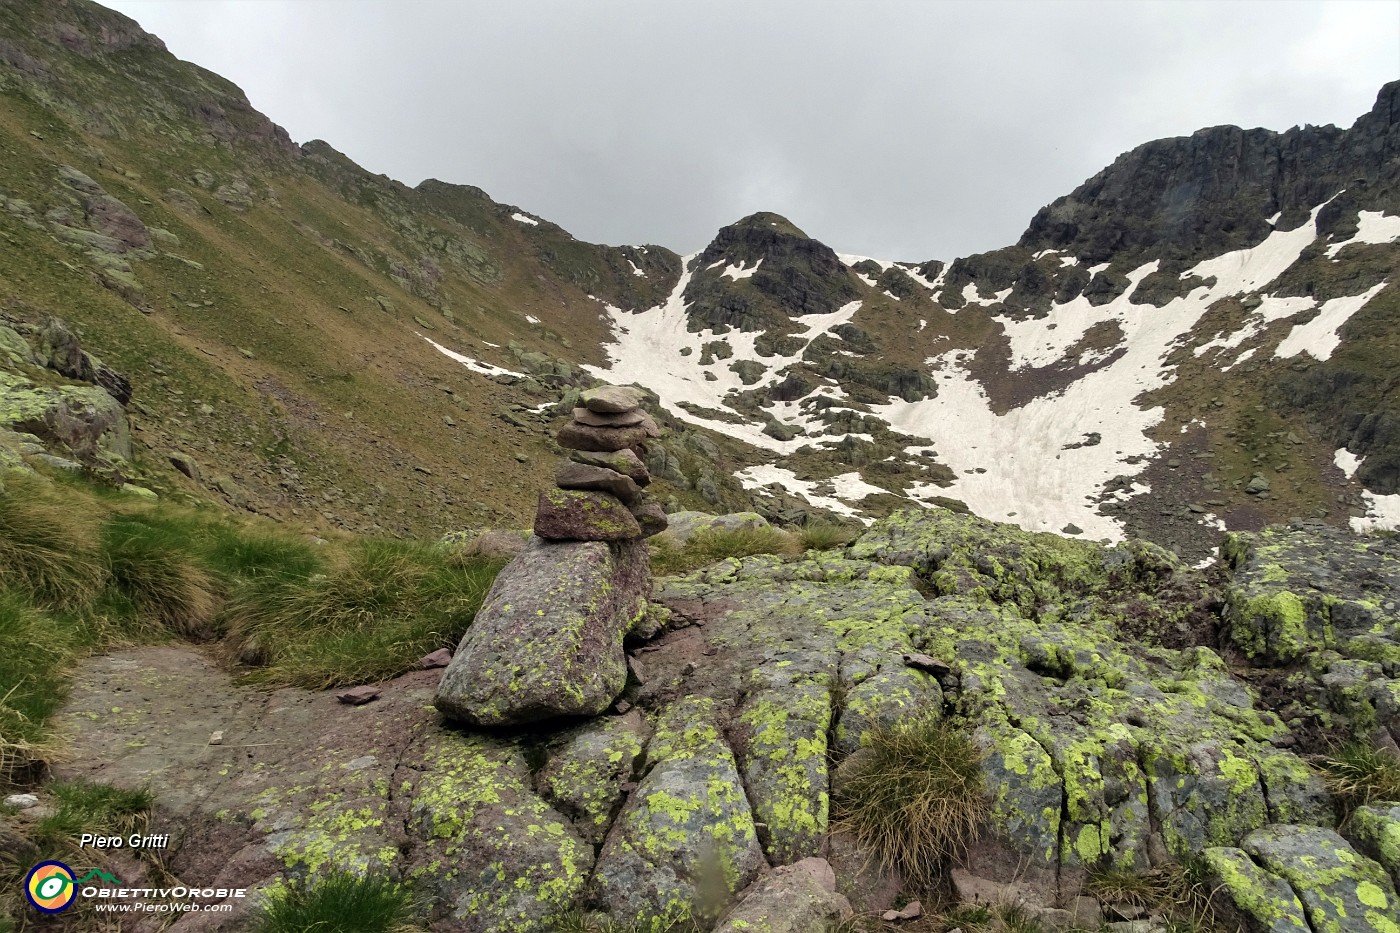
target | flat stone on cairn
[{"x": 548, "y": 639}]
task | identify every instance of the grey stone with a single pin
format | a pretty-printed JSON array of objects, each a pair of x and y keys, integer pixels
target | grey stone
[
  {"x": 595, "y": 419},
  {"x": 651, "y": 517},
  {"x": 611, "y": 399},
  {"x": 571, "y": 475},
  {"x": 625, "y": 462},
  {"x": 796, "y": 898},
  {"x": 547, "y": 641}
]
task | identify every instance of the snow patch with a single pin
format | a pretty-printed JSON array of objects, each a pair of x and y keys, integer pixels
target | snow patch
[
  {"x": 848, "y": 486},
  {"x": 1347, "y": 461},
  {"x": 525, "y": 219},
  {"x": 476, "y": 366},
  {"x": 1372, "y": 227},
  {"x": 636, "y": 270},
  {"x": 1320, "y": 336},
  {"x": 1382, "y": 513},
  {"x": 532, "y": 319},
  {"x": 740, "y": 272}
]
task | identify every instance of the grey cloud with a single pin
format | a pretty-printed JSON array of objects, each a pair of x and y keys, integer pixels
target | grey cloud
[{"x": 906, "y": 130}]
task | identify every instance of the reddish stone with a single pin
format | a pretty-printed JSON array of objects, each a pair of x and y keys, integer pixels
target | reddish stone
[{"x": 578, "y": 515}]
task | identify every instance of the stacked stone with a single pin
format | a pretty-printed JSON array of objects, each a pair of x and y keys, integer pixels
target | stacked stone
[{"x": 597, "y": 494}]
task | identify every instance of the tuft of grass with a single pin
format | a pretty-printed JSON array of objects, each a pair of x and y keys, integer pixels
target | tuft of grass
[
  {"x": 46, "y": 551},
  {"x": 153, "y": 568},
  {"x": 35, "y": 653},
  {"x": 85, "y": 807},
  {"x": 822, "y": 536},
  {"x": 914, "y": 795},
  {"x": 715, "y": 544},
  {"x": 1181, "y": 892},
  {"x": 370, "y": 616},
  {"x": 1359, "y": 773},
  {"x": 337, "y": 903}
]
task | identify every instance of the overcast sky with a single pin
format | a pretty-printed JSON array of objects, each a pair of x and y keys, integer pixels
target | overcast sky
[{"x": 902, "y": 129}]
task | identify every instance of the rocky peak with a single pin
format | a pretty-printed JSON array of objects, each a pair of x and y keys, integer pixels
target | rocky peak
[
  {"x": 761, "y": 271},
  {"x": 1196, "y": 196}
]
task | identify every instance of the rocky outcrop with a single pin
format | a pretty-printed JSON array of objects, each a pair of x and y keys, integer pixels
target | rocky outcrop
[
  {"x": 785, "y": 274},
  {"x": 1110, "y": 739},
  {"x": 1211, "y": 192}
]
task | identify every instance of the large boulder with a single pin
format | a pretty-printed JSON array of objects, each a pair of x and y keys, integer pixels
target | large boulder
[
  {"x": 682, "y": 526},
  {"x": 85, "y": 418},
  {"x": 547, "y": 642},
  {"x": 1341, "y": 890}
]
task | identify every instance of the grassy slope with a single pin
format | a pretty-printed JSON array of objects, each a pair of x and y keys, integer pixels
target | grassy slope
[{"x": 337, "y": 389}]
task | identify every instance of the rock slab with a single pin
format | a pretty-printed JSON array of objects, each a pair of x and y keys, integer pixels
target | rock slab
[{"x": 547, "y": 641}]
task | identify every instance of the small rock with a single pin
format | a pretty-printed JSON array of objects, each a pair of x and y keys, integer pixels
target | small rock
[
  {"x": 439, "y": 658},
  {"x": 924, "y": 662},
  {"x": 911, "y": 911},
  {"x": 358, "y": 696},
  {"x": 1071, "y": 529},
  {"x": 216, "y": 738},
  {"x": 21, "y": 801}
]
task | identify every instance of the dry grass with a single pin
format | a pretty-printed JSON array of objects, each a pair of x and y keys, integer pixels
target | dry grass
[
  {"x": 914, "y": 796},
  {"x": 47, "y": 544},
  {"x": 824, "y": 537},
  {"x": 1359, "y": 774},
  {"x": 715, "y": 544}
]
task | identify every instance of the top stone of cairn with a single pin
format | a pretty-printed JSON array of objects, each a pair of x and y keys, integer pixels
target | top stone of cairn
[{"x": 611, "y": 400}]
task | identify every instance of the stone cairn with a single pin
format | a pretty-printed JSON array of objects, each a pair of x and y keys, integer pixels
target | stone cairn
[
  {"x": 548, "y": 640},
  {"x": 597, "y": 494}
]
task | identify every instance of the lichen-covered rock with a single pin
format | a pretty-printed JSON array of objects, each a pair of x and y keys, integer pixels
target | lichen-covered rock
[
  {"x": 587, "y": 767},
  {"x": 797, "y": 898},
  {"x": 1375, "y": 831},
  {"x": 1264, "y": 899},
  {"x": 579, "y": 515},
  {"x": 1097, "y": 748},
  {"x": 685, "y": 844},
  {"x": 684, "y": 525},
  {"x": 84, "y": 418},
  {"x": 625, "y": 462},
  {"x": 1306, "y": 587},
  {"x": 494, "y": 854},
  {"x": 1341, "y": 890},
  {"x": 547, "y": 641}
]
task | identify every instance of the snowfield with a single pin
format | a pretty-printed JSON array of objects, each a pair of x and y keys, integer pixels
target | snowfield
[{"x": 1028, "y": 465}]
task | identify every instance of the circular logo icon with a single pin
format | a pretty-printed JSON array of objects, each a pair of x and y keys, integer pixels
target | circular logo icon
[{"x": 49, "y": 887}]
